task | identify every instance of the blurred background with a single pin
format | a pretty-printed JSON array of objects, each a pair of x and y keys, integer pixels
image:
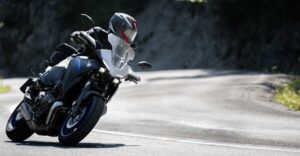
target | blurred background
[
  {"x": 261, "y": 35},
  {"x": 246, "y": 56}
]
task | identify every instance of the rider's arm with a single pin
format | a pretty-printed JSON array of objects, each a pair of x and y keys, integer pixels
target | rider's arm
[
  {"x": 101, "y": 35},
  {"x": 97, "y": 33}
]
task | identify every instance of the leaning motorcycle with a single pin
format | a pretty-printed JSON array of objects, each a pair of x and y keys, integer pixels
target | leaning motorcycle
[{"x": 71, "y": 108}]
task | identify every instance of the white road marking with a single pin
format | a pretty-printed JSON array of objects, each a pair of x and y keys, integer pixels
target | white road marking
[{"x": 245, "y": 146}]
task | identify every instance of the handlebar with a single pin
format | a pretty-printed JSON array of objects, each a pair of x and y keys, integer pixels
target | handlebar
[
  {"x": 133, "y": 77},
  {"x": 83, "y": 37}
]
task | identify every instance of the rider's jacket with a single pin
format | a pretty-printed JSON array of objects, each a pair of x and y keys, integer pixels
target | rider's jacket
[
  {"x": 101, "y": 35},
  {"x": 64, "y": 51}
]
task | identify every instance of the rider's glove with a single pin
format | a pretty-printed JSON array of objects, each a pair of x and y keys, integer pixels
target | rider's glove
[
  {"x": 75, "y": 37},
  {"x": 82, "y": 37}
]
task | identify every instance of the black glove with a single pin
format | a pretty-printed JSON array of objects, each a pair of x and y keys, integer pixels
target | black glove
[
  {"x": 82, "y": 37},
  {"x": 75, "y": 37}
]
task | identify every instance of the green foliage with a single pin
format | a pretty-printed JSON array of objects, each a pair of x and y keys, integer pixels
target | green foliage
[
  {"x": 3, "y": 88},
  {"x": 289, "y": 94}
]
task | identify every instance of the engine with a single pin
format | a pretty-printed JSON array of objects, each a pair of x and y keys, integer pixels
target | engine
[{"x": 43, "y": 104}]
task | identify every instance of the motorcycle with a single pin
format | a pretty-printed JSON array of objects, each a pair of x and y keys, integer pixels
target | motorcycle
[{"x": 71, "y": 108}]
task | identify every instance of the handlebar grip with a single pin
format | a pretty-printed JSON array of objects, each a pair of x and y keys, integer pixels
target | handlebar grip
[
  {"x": 133, "y": 77},
  {"x": 83, "y": 37},
  {"x": 90, "y": 41}
]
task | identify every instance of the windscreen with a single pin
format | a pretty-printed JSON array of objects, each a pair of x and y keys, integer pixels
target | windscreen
[{"x": 121, "y": 51}]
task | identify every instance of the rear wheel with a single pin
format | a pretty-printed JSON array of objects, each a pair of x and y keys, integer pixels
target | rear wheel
[
  {"x": 75, "y": 128},
  {"x": 17, "y": 129}
]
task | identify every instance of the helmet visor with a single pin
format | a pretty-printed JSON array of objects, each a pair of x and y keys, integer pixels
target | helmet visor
[
  {"x": 121, "y": 51},
  {"x": 131, "y": 34}
]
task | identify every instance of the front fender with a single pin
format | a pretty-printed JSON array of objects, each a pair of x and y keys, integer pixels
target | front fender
[{"x": 87, "y": 91}]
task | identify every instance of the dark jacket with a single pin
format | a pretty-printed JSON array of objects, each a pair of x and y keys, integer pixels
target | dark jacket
[
  {"x": 64, "y": 50},
  {"x": 100, "y": 35}
]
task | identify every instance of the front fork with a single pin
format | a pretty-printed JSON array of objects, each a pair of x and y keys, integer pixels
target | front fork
[
  {"x": 96, "y": 87},
  {"x": 90, "y": 88}
]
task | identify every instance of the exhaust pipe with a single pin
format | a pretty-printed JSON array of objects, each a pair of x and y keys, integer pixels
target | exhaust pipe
[
  {"x": 54, "y": 107},
  {"x": 26, "y": 111}
]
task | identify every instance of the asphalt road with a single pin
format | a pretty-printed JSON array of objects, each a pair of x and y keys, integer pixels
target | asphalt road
[{"x": 194, "y": 112}]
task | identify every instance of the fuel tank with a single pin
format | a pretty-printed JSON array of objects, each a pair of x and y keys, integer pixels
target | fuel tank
[{"x": 77, "y": 68}]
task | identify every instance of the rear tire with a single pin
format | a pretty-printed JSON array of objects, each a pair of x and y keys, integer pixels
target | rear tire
[
  {"x": 74, "y": 129},
  {"x": 17, "y": 129}
]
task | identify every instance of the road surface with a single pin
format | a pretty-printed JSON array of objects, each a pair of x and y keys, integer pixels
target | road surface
[{"x": 192, "y": 112}]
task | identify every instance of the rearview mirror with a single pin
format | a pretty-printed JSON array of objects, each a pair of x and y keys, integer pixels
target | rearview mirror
[
  {"x": 87, "y": 20},
  {"x": 144, "y": 65}
]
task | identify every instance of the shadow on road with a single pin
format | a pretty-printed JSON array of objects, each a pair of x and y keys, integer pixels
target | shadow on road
[{"x": 80, "y": 145}]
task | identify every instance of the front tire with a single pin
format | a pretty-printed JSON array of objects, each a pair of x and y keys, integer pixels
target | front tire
[
  {"x": 17, "y": 129},
  {"x": 74, "y": 129}
]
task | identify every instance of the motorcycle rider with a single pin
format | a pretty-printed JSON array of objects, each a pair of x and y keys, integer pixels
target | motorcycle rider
[{"x": 122, "y": 31}]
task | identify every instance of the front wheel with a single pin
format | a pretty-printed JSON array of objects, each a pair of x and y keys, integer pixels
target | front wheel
[
  {"x": 17, "y": 129},
  {"x": 75, "y": 128}
]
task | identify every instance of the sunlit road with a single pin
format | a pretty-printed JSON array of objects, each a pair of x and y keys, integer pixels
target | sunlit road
[{"x": 194, "y": 112}]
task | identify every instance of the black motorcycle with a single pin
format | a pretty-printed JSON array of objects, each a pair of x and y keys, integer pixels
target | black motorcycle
[{"x": 71, "y": 108}]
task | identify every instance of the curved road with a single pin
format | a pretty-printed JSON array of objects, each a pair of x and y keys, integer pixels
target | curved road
[{"x": 192, "y": 112}]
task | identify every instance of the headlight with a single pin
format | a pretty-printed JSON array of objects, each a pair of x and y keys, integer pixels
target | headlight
[{"x": 102, "y": 70}]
